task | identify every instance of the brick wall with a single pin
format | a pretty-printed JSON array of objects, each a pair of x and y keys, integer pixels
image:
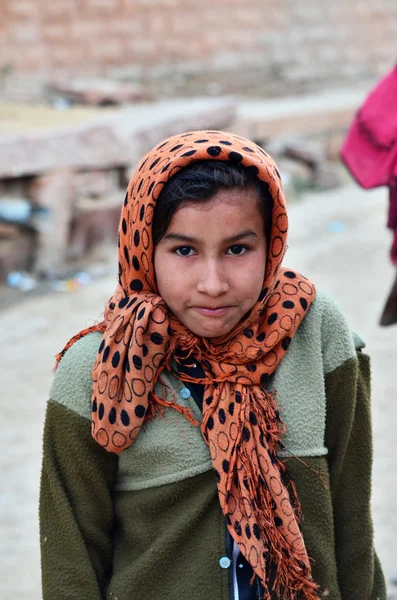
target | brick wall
[{"x": 196, "y": 46}]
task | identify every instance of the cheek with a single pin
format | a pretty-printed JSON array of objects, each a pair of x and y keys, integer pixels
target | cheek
[
  {"x": 250, "y": 280},
  {"x": 168, "y": 277},
  {"x": 161, "y": 273},
  {"x": 159, "y": 266}
]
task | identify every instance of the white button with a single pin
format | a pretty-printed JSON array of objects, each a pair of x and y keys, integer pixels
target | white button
[
  {"x": 185, "y": 393},
  {"x": 225, "y": 562}
]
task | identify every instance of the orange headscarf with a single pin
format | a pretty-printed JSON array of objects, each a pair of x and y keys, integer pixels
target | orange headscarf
[{"x": 240, "y": 424}]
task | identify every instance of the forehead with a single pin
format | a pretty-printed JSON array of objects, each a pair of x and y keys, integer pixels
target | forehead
[
  {"x": 228, "y": 208},
  {"x": 242, "y": 200}
]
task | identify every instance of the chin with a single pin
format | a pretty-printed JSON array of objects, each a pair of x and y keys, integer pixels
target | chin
[{"x": 208, "y": 332}]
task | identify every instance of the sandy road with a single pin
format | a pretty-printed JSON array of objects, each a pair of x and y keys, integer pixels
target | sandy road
[{"x": 351, "y": 264}]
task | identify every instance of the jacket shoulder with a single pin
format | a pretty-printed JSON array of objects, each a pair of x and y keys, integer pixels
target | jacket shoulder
[
  {"x": 326, "y": 320},
  {"x": 72, "y": 384}
]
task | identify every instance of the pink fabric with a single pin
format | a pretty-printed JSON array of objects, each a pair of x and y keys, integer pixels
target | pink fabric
[
  {"x": 392, "y": 220},
  {"x": 393, "y": 249},
  {"x": 370, "y": 148}
]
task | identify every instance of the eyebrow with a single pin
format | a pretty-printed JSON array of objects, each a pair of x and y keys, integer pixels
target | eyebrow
[{"x": 233, "y": 238}]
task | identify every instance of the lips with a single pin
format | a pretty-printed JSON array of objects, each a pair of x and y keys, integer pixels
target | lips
[{"x": 208, "y": 311}]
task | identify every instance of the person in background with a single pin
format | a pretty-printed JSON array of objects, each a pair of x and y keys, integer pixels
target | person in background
[{"x": 370, "y": 153}]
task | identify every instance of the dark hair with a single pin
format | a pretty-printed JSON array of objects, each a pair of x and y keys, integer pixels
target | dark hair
[{"x": 201, "y": 180}]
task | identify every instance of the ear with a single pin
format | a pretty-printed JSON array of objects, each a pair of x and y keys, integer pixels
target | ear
[{"x": 389, "y": 316}]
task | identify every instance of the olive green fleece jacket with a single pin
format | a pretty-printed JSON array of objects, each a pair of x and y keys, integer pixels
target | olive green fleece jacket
[{"x": 147, "y": 525}]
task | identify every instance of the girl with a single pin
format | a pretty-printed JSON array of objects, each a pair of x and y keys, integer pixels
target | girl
[{"x": 210, "y": 438}]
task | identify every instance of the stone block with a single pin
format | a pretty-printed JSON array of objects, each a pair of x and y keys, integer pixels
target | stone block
[
  {"x": 54, "y": 194},
  {"x": 311, "y": 114},
  {"x": 95, "y": 184},
  {"x": 98, "y": 92},
  {"x": 80, "y": 147},
  {"x": 17, "y": 250},
  {"x": 324, "y": 173},
  {"x": 333, "y": 143},
  {"x": 94, "y": 223}
]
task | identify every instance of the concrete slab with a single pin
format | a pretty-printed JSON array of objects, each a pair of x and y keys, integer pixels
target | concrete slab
[
  {"x": 298, "y": 115},
  {"x": 114, "y": 139}
]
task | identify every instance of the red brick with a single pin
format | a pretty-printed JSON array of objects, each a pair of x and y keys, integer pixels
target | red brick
[
  {"x": 29, "y": 60},
  {"x": 55, "y": 32},
  {"x": 124, "y": 28},
  {"x": 102, "y": 5},
  {"x": 22, "y": 9},
  {"x": 60, "y": 8},
  {"x": 291, "y": 42},
  {"x": 110, "y": 53},
  {"x": 90, "y": 30},
  {"x": 24, "y": 33},
  {"x": 144, "y": 50}
]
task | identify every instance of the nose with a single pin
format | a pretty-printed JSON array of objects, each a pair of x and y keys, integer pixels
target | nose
[{"x": 212, "y": 281}]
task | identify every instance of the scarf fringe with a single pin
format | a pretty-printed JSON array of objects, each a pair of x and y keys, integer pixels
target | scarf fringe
[
  {"x": 292, "y": 574},
  {"x": 97, "y": 327}
]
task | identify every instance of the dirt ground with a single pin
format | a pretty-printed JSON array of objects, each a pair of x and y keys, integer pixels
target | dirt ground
[{"x": 337, "y": 238}]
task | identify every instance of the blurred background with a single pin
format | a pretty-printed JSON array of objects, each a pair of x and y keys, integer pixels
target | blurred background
[{"x": 87, "y": 87}]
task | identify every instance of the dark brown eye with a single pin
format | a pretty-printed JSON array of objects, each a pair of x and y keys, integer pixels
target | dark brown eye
[
  {"x": 183, "y": 250},
  {"x": 237, "y": 249}
]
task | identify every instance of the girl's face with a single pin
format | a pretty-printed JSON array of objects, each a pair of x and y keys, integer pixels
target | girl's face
[{"x": 210, "y": 263}]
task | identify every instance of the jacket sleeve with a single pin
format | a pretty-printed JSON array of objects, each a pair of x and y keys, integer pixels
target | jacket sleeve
[
  {"x": 349, "y": 443},
  {"x": 76, "y": 508}
]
